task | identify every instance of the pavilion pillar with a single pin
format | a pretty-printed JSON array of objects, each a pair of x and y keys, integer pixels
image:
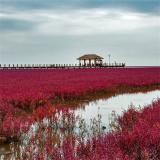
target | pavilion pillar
[
  {"x": 79, "y": 62},
  {"x": 95, "y": 62},
  {"x": 84, "y": 62},
  {"x": 101, "y": 62},
  {"x": 89, "y": 62}
]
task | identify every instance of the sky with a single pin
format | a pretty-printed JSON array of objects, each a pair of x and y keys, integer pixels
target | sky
[{"x": 60, "y": 31}]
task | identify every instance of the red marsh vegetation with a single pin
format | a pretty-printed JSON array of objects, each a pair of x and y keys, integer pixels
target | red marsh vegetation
[
  {"x": 27, "y": 97},
  {"x": 136, "y": 135},
  {"x": 31, "y": 88}
]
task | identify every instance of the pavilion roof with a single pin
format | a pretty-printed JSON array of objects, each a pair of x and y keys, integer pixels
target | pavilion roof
[{"x": 89, "y": 56}]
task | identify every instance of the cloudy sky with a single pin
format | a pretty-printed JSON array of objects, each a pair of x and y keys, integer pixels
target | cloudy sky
[{"x": 45, "y": 32}]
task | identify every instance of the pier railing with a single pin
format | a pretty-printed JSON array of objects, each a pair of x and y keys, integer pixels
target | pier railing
[{"x": 34, "y": 66}]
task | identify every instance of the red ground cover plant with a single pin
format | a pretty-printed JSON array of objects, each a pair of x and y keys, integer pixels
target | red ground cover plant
[
  {"x": 134, "y": 138},
  {"x": 33, "y": 88}
]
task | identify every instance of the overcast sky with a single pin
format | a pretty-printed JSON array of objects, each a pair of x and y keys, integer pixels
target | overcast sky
[{"x": 50, "y": 32}]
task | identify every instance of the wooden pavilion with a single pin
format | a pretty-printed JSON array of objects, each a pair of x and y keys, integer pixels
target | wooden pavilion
[{"x": 97, "y": 60}]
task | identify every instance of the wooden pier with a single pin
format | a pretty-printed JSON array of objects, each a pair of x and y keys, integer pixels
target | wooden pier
[
  {"x": 61, "y": 66},
  {"x": 98, "y": 63}
]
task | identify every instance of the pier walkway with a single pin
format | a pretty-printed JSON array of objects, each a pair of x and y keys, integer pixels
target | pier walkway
[{"x": 60, "y": 66}]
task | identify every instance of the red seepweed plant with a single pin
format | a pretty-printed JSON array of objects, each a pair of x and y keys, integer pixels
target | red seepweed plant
[
  {"x": 13, "y": 122},
  {"x": 33, "y": 88}
]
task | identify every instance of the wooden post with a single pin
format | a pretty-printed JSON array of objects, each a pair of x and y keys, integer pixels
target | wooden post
[
  {"x": 13, "y": 65},
  {"x": 9, "y": 65},
  {"x": 21, "y": 65},
  {"x": 0, "y": 65}
]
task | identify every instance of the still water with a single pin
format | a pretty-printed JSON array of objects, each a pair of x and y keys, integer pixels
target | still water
[
  {"x": 90, "y": 110},
  {"x": 118, "y": 103}
]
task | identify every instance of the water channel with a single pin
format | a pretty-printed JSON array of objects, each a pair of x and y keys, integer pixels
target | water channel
[
  {"x": 118, "y": 103},
  {"x": 103, "y": 106}
]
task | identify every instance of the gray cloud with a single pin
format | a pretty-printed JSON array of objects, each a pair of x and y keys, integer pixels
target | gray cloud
[
  {"x": 77, "y": 22},
  {"x": 14, "y": 25}
]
